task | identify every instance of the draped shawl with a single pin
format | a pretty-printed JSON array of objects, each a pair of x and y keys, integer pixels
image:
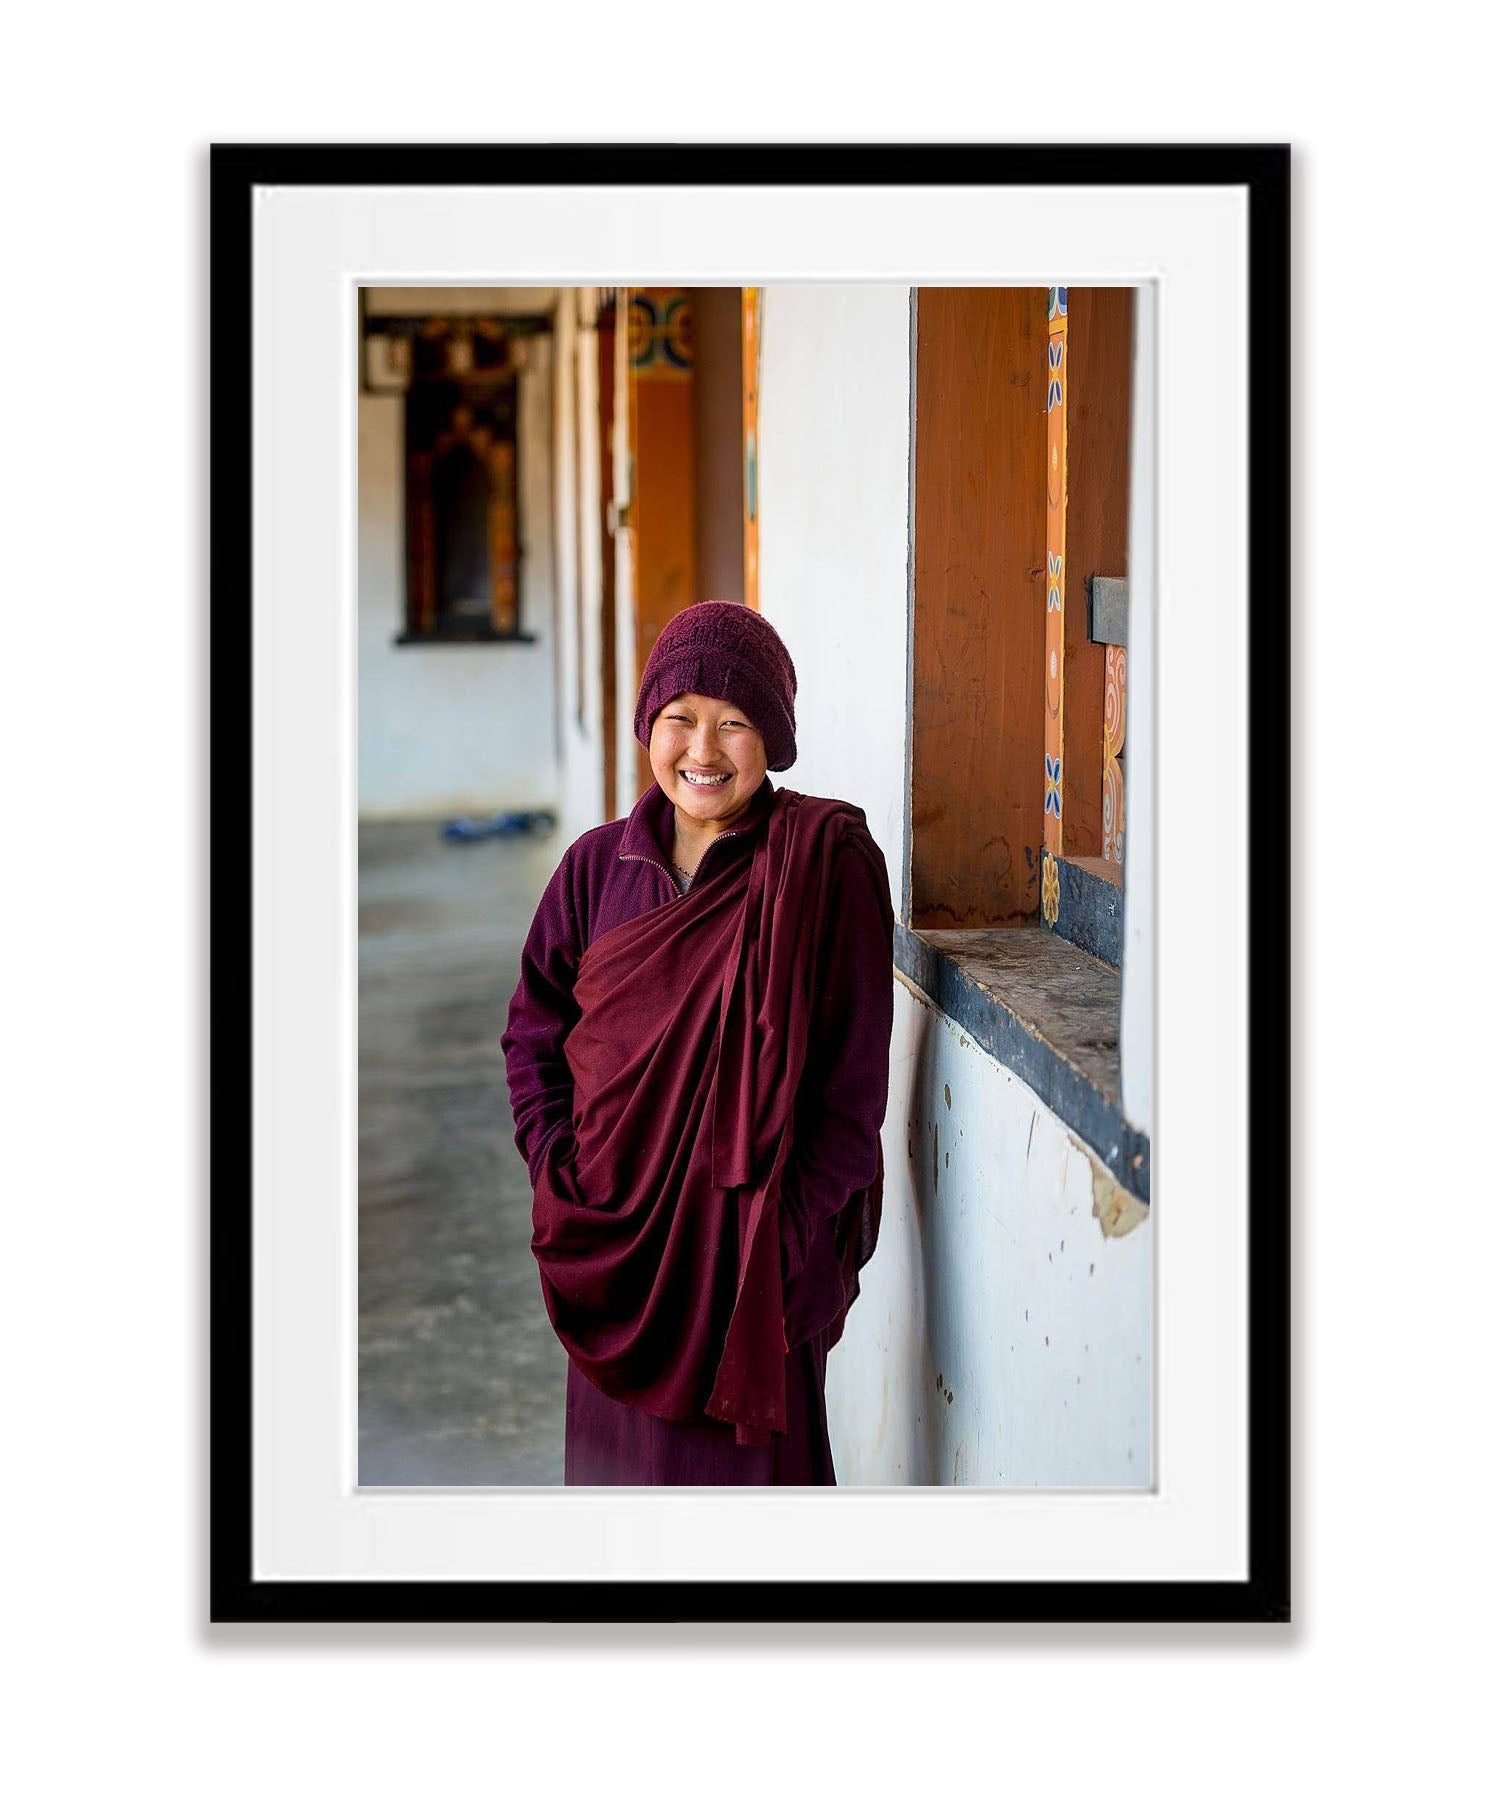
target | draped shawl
[{"x": 655, "y": 1225}]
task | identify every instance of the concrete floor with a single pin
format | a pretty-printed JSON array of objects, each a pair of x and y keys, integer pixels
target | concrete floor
[{"x": 461, "y": 1380}]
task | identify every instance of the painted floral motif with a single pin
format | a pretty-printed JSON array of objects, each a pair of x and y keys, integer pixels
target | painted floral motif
[
  {"x": 1054, "y": 371},
  {"x": 1114, "y": 813},
  {"x": 1053, "y": 802},
  {"x": 640, "y": 325},
  {"x": 752, "y": 477},
  {"x": 660, "y": 325},
  {"x": 1114, "y": 751},
  {"x": 1057, "y": 500},
  {"x": 750, "y": 316},
  {"x": 1114, "y": 700},
  {"x": 1051, "y": 893}
]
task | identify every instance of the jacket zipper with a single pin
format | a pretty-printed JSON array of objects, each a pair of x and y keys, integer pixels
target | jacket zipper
[{"x": 677, "y": 892}]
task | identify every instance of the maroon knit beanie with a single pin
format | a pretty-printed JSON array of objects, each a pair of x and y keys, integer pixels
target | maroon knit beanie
[{"x": 724, "y": 651}]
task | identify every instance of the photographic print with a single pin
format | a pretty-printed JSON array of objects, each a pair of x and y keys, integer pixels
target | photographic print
[
  {"x": 747, "y": 837},
  {"x": 585, "y": 522}
]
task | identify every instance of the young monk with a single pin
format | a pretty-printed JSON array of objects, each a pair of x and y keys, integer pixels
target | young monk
[{"x": 697, "y": 1054}]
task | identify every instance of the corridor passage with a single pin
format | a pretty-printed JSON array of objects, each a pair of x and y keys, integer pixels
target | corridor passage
[{"x": 461, "y": 1380}]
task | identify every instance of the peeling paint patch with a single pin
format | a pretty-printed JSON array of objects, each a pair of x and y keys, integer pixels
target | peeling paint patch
[
  {"x": 1117, "y": 1211},
  {"x": 1116, "y": 1208}
]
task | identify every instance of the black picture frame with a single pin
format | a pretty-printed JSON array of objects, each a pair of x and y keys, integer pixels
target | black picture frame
[{"x": 1263, "y": 171}]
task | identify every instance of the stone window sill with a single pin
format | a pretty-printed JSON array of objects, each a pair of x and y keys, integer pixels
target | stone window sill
[{"x": 1049, "y": 1012}]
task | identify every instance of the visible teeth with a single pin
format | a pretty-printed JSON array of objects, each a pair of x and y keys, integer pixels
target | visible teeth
[{"x": 704, "y": 780}]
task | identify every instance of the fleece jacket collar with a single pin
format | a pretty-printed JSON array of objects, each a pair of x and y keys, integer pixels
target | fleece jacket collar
[{"x": 648, "y": 831}]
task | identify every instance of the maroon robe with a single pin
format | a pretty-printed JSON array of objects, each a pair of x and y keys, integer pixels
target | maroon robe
[{"x": 703, "y": 1205}]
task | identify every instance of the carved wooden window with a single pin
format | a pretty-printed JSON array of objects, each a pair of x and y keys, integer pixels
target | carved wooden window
[
  {"x": 459, "y": 374},
  {"x": 1021, "y": 492},
  {"x": 462, "y": 490}
]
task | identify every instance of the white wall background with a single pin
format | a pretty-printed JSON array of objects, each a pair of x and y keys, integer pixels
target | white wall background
[
  {"x": 581, "y": 553},
  {"x": 991, "y": 1271},
  {"x": 835, "y": 396},
  {"x": 1000, "y": 1339},
  {"x": 455, "y": 727}
]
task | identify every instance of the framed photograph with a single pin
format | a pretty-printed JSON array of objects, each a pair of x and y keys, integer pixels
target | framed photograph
[{"x": 750, "y": 883}]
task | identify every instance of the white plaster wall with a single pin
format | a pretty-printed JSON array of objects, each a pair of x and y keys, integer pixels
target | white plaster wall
[
  {"x": 1000, "y": 1338},
  {"x": 626, "y": 790},
  {"x": 454, "y": 727},
  {"x": 989, "y": 1200},
  {"x": 835, "y": 393},
  {"x": 579, "y": 488},
  {"x": 566, "y": 649}
]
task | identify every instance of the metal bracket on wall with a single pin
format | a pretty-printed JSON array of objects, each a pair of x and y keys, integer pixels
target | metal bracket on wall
[{"x": 1109, "y": 608}]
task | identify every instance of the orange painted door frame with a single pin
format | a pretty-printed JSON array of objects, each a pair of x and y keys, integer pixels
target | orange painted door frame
[
  {"x": 752, "y": 305},
  {"x": 663, "y": 502}
]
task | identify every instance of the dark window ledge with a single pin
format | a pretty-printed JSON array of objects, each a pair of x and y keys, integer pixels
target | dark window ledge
[
  {"x": 1050, "y": 1013},
  {"x": 466, "y": 634}
]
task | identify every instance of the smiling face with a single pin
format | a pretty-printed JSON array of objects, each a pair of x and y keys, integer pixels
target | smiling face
[{"x": 708, "y": 759}]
